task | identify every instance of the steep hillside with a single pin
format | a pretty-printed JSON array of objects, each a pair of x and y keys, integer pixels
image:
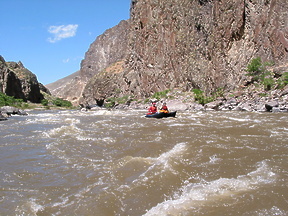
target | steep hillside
[
  {"x": 189, "y": 44},
  {"x": 19, "y": 82},
  {"x": 107, "y": 49},
  {"x": 68, "y": 88}
]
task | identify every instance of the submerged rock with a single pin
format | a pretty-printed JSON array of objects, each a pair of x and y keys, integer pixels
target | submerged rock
[{"x": 9, "y": 110}]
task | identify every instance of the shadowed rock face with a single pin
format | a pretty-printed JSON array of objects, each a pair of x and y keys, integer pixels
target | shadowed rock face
[
  {"x": 18, "y": 81},
  {"x": 185, "y": 44},
  {"x": 109, "y": 49}
]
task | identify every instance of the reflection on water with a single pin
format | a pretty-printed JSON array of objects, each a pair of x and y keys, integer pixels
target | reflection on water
[{"x": 120, "y": 163}]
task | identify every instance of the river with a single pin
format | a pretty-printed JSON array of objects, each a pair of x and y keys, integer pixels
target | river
[{"x": 118, "y": 162}]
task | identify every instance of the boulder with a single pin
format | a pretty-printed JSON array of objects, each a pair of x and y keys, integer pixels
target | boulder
[
  {"x": 9, "y": 110},
  {"x": 2, "y": 117},
  {"x": 269, "y": 106},
  {"x": 285, "y": 91},
  {"x": 245, "y": 106},
  {"x": 214, "y": 105},
  {"x": 196, "y": 107},
  {"x": 177, "y": 105}
]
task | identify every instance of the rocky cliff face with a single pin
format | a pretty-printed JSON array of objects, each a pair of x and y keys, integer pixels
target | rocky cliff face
[
  {"x": 107, "y": 49},
  {"x": 69, "y": 88},
  {"x": 18, "y": 81},
  {"x": 190, "y": 44}
]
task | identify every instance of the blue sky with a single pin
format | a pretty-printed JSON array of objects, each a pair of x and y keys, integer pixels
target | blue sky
[{"x": 50, "y": 37}]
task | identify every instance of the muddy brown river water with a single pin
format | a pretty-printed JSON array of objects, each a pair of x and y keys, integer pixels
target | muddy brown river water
[{"x": 118, "y": 162}]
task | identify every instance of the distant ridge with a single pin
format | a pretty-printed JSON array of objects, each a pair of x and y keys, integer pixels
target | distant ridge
[
  {"x": 68, "y": 88},
  {"x": 61, "y": 82},
  {"x": 106, "y": 50}
]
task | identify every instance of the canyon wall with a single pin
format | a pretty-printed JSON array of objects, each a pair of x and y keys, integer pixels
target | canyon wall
[
  {"x": 185, "y": 44},
  {"x": 202, "y": 44}
]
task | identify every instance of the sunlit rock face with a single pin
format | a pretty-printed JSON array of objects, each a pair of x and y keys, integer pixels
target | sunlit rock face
[
  {"x": 203, "y": 44},
  {"x": 184, "y": 44}
]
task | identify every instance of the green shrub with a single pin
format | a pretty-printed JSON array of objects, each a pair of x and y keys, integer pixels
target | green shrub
[
  {"x": 6, "y": 100},
  {"x": 283, "y": 81},
  {"x": 263, "y": 94},
  {"x": 219, "y": 93},
  {"x": 162, "y": 94},
  {"x": 123, "y": 99},
  {"x": 255, "y": 67},
  {"x": 110, "y": 102},
  {"x": 200, "y": 97},
  {"x": 61, "y": 103},
  {"x": 268, "y": 83},
  {"x": 146, "y": 100},
  {"x": 44, "y": 102}
]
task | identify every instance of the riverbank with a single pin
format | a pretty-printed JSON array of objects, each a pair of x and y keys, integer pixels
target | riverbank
[
  {"x": 250, "y": 99},
  {"x": 246, "y": 98}
]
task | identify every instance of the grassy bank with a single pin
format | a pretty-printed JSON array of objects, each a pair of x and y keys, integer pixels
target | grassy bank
[{"x": 48, "y": 103}]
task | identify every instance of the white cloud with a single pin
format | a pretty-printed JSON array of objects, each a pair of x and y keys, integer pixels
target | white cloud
[
  {"x": 61, "y": 32},
  {"x": 66, "y": 60}
]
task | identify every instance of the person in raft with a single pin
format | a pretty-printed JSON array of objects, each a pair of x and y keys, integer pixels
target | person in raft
[
  {"x": 152, "y": 109},
  {"x": 164, "y": 108}
]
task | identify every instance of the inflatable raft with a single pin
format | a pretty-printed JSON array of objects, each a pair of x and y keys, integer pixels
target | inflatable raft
[{"x": 162, "y": 115}]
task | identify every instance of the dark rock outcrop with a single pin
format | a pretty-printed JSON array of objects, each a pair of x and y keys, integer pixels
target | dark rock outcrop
[{"x": 19, "y": 82}]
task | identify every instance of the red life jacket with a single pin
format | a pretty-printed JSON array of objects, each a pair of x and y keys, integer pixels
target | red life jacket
[
  {"x": 152, "y": 110},
  {"x": 164, "y": 108}
]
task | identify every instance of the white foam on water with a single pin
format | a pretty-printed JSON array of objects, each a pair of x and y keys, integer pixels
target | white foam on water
[
  {"x": 42, "y": 120},
  {"x": 238, "y": 119},
  {"x": 268, "y": 212},
  {"x": 194, "y": 195},
  {"x": 165, "y": 159},
  {"x": 155, "y": 166},
  {"x": 70, "y": 129},
  {"x": 85, "y": 138},
  {"x": 177, "y": 125},
  {"x": 164, "y": 162},
  {"x": 55, "y": 150},
  {"x": 63, "y": 131},
  {"x": 106, "y": 112},
  {"x": 30, "y": 206},
  {"x": 214, "y": 159},
  {"x": 34, "y": 206}
]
